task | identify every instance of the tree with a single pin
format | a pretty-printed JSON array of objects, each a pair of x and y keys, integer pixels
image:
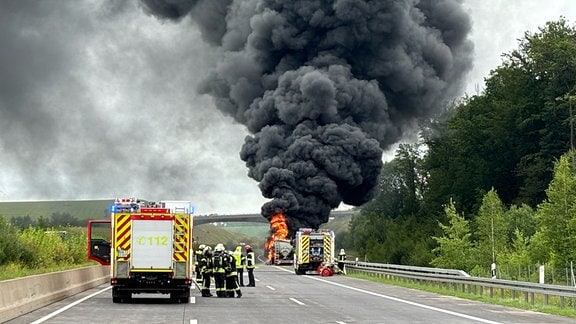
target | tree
[
  {"x": 63, "y": 219},
  {"x": 557, "y": 214},
  {"x": 9, "y": 246},
  {"x": 391, "y": 227},
  {"x": 507, "y": 137},
  {"x": 22, "y": 221},
  {"x": 491, "y": 230},
  {"x": 455, "y": 249}
]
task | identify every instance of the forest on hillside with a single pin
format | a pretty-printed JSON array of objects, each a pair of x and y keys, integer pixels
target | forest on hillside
[{"x": 492, "y": 179}]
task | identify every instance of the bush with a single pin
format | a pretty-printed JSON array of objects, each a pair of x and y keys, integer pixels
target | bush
[
  {"x": 48, "y": 246},
  {"x": 9, "y": 247}
]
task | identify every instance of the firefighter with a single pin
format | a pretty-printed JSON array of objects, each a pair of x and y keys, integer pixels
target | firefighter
[
  {"x": 341, "y": 259},
  {"x": 205, "y": 266},
  {"x": 199, "y": 254},
  {"x": 240, "y": 262},
  {"x": 231, "y": 276},
  {"x": 218, "y": 270},
  {"x": 250, "y": 265}
]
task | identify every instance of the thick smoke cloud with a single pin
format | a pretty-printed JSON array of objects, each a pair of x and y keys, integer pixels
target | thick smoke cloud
[
  {"x": 325, "y": 86},
  {"x": 97, "y": 101}
]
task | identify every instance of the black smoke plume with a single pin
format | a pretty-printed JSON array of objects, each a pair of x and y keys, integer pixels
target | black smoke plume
[{"x": 324, "y": 86}]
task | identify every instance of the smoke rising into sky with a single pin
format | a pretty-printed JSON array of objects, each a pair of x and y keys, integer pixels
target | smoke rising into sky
[
  {"x": 325, "y": 86},
  {"x": 100, "y": 99}
]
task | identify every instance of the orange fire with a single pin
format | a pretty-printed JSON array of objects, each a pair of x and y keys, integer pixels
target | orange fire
[{"x": 278, "y": 230}]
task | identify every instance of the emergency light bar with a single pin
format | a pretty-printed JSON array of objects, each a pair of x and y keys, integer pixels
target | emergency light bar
[{"x": 155, "y": 210}]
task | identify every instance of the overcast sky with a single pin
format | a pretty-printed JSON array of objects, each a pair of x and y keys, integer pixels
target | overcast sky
[{"x": 99, "y": 100}]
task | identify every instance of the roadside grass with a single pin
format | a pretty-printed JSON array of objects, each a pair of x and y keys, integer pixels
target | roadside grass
[
  {"x": 14, "y": 271},
  {"x": 504, "y": 298}
]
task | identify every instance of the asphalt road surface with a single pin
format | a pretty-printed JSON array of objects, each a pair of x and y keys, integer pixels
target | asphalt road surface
[{"x": 280, "y": 296}]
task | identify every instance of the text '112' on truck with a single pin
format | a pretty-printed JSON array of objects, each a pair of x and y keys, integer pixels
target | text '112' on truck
[{"x": 148, "y": 247}]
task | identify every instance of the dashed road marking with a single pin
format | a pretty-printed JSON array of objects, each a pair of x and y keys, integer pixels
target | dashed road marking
[{"x": 297, "y": 301}]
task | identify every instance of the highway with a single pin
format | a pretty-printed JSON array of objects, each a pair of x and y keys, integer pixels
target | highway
[{"x": 280, "y": 296}]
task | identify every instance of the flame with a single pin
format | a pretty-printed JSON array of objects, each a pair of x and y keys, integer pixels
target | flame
[{"x": 278, "y": 230}]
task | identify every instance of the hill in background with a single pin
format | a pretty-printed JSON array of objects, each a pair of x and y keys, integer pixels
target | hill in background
[{"x": 79, "y": 209}]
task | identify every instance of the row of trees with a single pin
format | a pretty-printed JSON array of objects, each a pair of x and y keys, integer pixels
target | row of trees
[
  {"x": 516, "y": 236},
  {"x": 488, "y": 160},
  {"x": 55, "y": 220}
]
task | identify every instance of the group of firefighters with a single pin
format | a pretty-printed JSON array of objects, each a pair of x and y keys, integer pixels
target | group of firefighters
[{"x": 226, "y": 268}]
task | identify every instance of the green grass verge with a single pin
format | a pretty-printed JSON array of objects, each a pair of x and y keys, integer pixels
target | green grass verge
[
  {"x": 518, "y": 302},
  {"x": 13, "y": 271}
]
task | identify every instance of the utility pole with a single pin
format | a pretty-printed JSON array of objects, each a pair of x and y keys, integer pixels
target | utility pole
[
  {"x": 571, "y": 124},
  {"x": 493, "y": 265}
]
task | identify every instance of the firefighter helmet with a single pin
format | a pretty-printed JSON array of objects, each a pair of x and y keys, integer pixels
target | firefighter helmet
[
  {"x": 247, "y": 247},
  {"x": 202, "y": 247},
  {"x": 219, "y": 247}
]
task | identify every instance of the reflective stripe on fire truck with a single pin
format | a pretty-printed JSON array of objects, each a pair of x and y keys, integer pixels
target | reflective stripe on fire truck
[
  {"x": 122, "y": 236},
  {"x": 305, "y": 249},
  {"x": 181, "y": 237},
  {"x": 327, "y": 248}
]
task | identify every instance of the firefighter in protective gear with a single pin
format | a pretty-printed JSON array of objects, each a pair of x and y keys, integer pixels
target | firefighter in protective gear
[
  {"x": 240, "y": 262},
  {"x": 205, "y": 266},
  {"x": 250, "y": 265},
  {"x": 341, "y": 259},
  {"x": 231, "y": 276},
  {"x": 198, "y": 254},
  {"x": 218, "y": 270}
]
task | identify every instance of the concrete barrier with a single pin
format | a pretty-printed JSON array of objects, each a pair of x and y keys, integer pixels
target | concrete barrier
[{"x": 23, "y": 295}]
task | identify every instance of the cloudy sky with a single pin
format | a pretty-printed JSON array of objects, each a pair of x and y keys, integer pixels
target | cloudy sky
[{"x": 99, "y": 99}]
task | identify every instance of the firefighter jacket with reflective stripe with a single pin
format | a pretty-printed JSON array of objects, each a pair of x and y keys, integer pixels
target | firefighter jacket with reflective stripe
[
  {"x": 239, "y": 259},
  {"x": 218, "y": 263},
  {"x": 205, "y": 264},
  {"x": 250, "y": 260}
]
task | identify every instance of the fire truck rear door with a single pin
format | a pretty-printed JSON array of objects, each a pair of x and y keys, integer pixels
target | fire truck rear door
[{"x": 152, "y": 244}]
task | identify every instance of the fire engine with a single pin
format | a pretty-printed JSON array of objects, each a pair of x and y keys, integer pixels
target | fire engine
[
  {"x": 148, "y": 247},
  {"x": 313, "y": 249}
]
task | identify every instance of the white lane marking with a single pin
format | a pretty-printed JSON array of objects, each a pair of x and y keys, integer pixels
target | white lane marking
[
  {"x": 270, "y": 287},
  {"x": 56, "y": 312},
  {"x": 297, "y": 301},
  {"x": 474, "y": 318},
  {"x": 193, "y": 321},
  {"x": 340, "y": 322},
  {"x": 192, "y": 300}
]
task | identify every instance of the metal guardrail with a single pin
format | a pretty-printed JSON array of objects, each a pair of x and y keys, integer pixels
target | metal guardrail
[{"x": 460, "y": 281}]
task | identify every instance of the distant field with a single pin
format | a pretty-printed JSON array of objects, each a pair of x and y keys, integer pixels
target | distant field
[{"x": 79, "y": 209}]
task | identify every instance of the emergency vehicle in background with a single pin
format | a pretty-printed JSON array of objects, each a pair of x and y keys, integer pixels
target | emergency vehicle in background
[
  {"x": 148, "y": 247},
  {"x": 313, "y": 250}
]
